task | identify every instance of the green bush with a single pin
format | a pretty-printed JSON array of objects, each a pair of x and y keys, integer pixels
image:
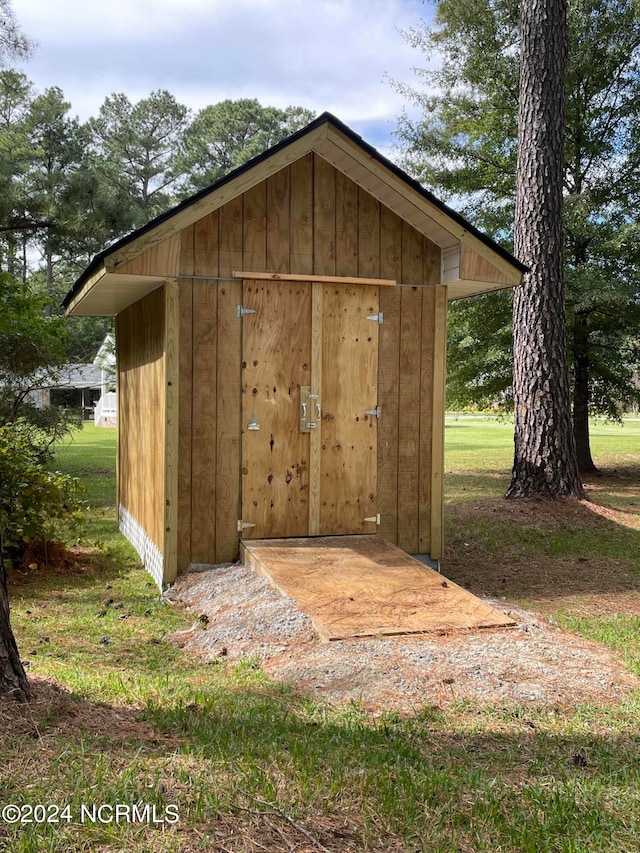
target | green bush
[{"x": 38, "y": 507}]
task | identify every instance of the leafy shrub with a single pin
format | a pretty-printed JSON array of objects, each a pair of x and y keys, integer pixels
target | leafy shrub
[{"x": 37, "y": 506}]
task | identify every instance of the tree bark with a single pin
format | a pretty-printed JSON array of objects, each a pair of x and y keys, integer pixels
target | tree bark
[
  {"x": 544, "y": 453},
  {"x": 581, "y": 392},
  {"x": 13, "y": 679}
]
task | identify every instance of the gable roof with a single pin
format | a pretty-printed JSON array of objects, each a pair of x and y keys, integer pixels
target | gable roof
[{"x": 472, "y": 262}]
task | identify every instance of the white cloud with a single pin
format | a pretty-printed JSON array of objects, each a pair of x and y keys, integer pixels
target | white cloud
[{"x": 322, "y": 54}]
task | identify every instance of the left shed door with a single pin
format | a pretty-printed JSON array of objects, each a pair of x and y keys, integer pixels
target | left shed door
[{"x": 276, "y": 362}]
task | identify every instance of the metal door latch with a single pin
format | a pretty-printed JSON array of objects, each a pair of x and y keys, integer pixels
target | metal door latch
[
  {"x": 306, "y": 422},
  {"x": 316, "y": 397}
]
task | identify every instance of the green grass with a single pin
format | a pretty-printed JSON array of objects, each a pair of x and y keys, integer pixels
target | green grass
[
  {"x": 479, "y": 453},
  {"x": 247, "y": 762},
  {"x": 90, "y": 455}
]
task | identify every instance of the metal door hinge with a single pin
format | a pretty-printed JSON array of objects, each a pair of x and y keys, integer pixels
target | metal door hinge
[
  {"x": 374, "y": 519},
  {"x": 377, "y": 412},
  {"x": 253, "y": 423},
  {"x": 243, "y": 525},
  {"x": 241, "y": 311},
  {"x": 378, "y": 318}
]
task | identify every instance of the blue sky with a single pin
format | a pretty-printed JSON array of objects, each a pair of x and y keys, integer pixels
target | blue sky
[{"x": 334, "y": 55}]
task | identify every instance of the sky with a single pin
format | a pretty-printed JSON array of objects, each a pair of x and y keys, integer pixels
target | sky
[{"x": 335, "y": 55}]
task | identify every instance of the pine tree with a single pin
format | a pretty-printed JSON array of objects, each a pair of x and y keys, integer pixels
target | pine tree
[{"x": 545, "y": 457}]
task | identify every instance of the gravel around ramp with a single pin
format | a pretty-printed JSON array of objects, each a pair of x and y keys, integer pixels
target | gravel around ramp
[{"x": 239, "y": 614}]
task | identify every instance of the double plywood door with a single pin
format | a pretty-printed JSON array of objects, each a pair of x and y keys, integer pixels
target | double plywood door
[{"x": 309, "y": 409}]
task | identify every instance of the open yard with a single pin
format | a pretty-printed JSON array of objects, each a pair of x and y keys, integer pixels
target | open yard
[{"x": 228, "y": 758}]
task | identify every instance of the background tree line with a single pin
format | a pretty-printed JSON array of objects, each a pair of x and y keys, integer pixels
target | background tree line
[
  {"x": 463, "y": 145},
  {"x": 69, "y": 188}
]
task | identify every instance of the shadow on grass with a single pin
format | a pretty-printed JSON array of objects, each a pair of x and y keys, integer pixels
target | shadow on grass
[
  {"x": 274, "y": 770},
  {"x": 540, "y": 549}
]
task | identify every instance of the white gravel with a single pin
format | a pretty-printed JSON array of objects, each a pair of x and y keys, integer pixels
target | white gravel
[{"x": 239, "y": 614}]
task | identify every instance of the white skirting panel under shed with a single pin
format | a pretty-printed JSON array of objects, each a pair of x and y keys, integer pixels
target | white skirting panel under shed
[{"x": 150, "y": 554}]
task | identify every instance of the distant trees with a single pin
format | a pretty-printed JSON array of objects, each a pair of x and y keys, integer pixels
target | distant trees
[
  {"x": 68, "y": 189},
  {"x": 224, "y": 136},
  {"x": 464, "y": 144},
  {"x": 133, "y": 147}
]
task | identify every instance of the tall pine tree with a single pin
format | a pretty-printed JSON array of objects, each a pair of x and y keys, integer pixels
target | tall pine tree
[
  {"x": 545, "y": 460},
  {"x": 463, "y": 144}
]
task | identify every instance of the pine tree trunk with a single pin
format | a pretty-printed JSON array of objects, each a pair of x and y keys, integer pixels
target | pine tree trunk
[
  {"x": 13, "y": 680},
  {"x": 545, "y": 455},
  {"x": 581, "y": 393}
]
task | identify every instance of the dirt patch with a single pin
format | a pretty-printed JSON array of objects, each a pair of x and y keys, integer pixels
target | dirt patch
[
  {"x": 239, "y": 615},
  {"x": 502, "y": 568}
]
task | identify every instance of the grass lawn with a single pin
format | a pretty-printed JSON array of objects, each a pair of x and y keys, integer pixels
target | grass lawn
[{"x": 123, "y": 716}]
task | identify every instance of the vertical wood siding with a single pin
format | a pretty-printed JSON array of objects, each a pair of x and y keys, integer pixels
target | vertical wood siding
[
  {"x": 141, "y": 405},
  {"x": 307, "y": 218}
]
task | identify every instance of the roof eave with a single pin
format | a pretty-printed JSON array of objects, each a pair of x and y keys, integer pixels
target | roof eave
[{"x": 323, "y": 132}]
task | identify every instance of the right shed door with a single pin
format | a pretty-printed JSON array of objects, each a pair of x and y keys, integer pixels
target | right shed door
[
  {"x": 310, "y": 382},
  {"x": 348, "y": 434}
]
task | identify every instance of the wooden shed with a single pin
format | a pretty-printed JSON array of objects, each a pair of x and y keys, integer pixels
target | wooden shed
[{"x": 281, "y": 342}]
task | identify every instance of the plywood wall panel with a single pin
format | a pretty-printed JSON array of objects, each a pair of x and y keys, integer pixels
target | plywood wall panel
[
  {"x": 206, "y": 254},
  {"x": 473, "y": 267},
  {"x": 205, "y": 407},
  {"x": 432, "y": 272},
  {"x": 230, "y": 235},
  {"x": 141, "y": 374},
  {"x": 187, "y": 250},
  {"x": 301, "y": 220},
  {"x": 389, "y": 375},
  {"x": 227, "y": 435},
  {"x": 185, "y": 471},
  {"x": 162, "y": 259},
  {"x": 254, "y": 228},
  {"x": 279, "y": 221},
  {"x": 171, "y": 384},
  {"x": 437, "y": 446},
  {"x": 409, "y": 392},
  {"x": 368, "y": 235},
  {"x": 426, "y": 420},
  {"x": 346, "y": 226},
  {"x": 324, "y": 218}
]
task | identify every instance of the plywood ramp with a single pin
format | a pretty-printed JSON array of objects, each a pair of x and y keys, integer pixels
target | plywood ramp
[{"x": 362, "y": 586}]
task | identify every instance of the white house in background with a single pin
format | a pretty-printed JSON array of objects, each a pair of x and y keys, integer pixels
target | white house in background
[
  {"x": 106, "y": 409},
  {"x": 93, "y": 381}
]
